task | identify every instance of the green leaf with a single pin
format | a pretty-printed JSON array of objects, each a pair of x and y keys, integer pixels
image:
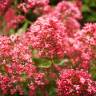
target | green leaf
[
  {"x": 85, "y": 8},
  {"x": 43, "y": 63},
  {"x": 92, "y": 17},
  {"x": 12, "y": 31}
]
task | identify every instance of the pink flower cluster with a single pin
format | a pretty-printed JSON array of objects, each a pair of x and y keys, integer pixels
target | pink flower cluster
[
  {"x": 56, "y": 34},
  {"x": 75, "y": 83},
  {"x": 4, "y": 5},
  {"x": 85, "y": 42},
  {"x": 17, "y": 68},
  {"x": 30, "y": 4},
  {"x": 12, "y": 19},
  {"x": 47, "y": 35},
  {"x": 68, "y": 9},
  {"x": 50, "y": 31}
]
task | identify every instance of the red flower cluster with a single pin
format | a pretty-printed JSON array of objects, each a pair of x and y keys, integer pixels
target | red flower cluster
[
  {"x": 12, "y": 20},
  {"x": 4, "y": 5},
  {"x": 74, "y": 82},
  {"x": 30, "y": 4},
  {"x": 50, "y": 31},
  {"x": 55, "y": 35},
  {"x": 17, "y": 68},
  {"x": 47, "y": 35},
  {"x": 70, "y": 14},
  {"x": 84, "y": 43},
  {"x": 68, "y": 9}
]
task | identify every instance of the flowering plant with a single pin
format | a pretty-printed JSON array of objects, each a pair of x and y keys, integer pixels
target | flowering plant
[{"x": 45, "y": 50}]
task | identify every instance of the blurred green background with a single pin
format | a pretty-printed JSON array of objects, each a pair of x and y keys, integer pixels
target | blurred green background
[{"x": 89, "y": 10}]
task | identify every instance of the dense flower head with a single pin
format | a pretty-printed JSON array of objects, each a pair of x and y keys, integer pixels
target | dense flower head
[
  {"x": 80, "y": 46},
  {"x": 85, "y": 42},
  {"x": 79, "y": 53},
  {"x": 78, "y": 3},
  {"x": 39, "y": 79},
  {"x": 5, "y": 46},
  {"x": 69, "y": 14},
  {"x": 14, "y": 62},
  {"x": 29, "y": 4},
  {"x": 74, "y": 82},
  {"x": 12, "y": 19},
  {"x": 88, "y": 33},
  {"x": 39, "y": 2},
  {"x": 72, "y": 26},
  {"x": 47, "y": 35},
  {"x": 68, "y": 9},
  {"x": 4, "y": 5},
  {"x": 21, "y": 52},
  {"x": 14, "y": 75},
  {"x": 17, "y": 68}
]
